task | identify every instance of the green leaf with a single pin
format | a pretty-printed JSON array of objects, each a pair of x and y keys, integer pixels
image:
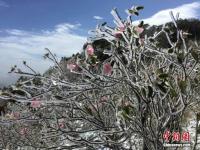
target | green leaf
[
  {"x": 19, "y": 92},
  {"x": 136, "y": 13},
  {"x": 163, "y": 76},
  {"x": 131, "y": 11},
  {"x": 182, "y": 85},
  {"x": 173, "y": 93},
  {"x": 89, "y": 110},
  {"x": 139, "y": 8},
  {"x": 170, "y": 50},
  {"x": 150, "y": 91},
  {"x": 125, "y": 116},
  {"x": 161, "y": 87},
  {"x": 141, "y": 24},
  {"x": 127, "y": 112},
  {"x": 195, "y": 55},
  {"x": 143, "y": 92},
  {"x": 198, "y": 117},
  {"x": 126, "y": 109},
  {"x": 103, "y": 24},
  {"x": 58, "y": 97},
  {"x": 151, "y": 39},
  {"x": 137, "y": 96},
  {"x": 180, "y": 58},
  {"x": 196, "y": 80},
  {"x": 93, "y": 59},
  {"x": 159, "y": 71},
  {"x": 171, "y": 66}
]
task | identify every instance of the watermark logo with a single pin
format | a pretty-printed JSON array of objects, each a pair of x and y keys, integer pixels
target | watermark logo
[{"x": 183, "y": 139}]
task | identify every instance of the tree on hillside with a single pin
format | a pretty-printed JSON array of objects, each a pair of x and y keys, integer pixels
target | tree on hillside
[{"x": 122, "y": 93}]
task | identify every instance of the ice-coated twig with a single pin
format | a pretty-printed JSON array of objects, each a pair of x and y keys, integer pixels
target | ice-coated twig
[{"x": 117, "y": 18}]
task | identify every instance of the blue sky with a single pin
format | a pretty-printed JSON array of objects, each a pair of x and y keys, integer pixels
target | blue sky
[
  {"x": 28, "y": 26},
  {"x": 45, "y": 14}
]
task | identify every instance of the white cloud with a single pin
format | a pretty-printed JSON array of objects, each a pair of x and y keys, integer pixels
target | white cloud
[
  {"x": 18, "y": 45},
  {"x": 97, "y": 17},
  {"x": 16, "y": 32},
  {"x": 190, "y": 10},
  {"x": 65, "y": 27},
  {"x": 3, "y": 4}
]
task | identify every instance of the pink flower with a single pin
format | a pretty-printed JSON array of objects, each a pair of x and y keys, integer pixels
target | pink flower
[
  {"x": 16, "y": 115},
  {"x": 139, "y": 30},
  {"x": 122, "y": 29},
  {"x": 107, "y": 69},
  {"x": 71, "y": 67},
  {"x": 188, "y": 65},
  {"x": 127, "y": 103},
  {"x": 23, "y": 131},
  {"x": 35, "y": 103},
  {"x": 141, "y": 41},
  {"x": 103, "y": 99},
  {"x": 90, "y": 50},
  {"x": 118, "y": 35},
  {"x": 61, "y": 125}
]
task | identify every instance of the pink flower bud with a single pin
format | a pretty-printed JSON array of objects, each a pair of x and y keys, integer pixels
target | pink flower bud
[
  {"x": 16, "y": 115},
  {"x": 61, "y": 125},
  {"x": 35, "y": 103},
  {"x": 103, "y": 99},
  {"x": 71, "y": 67},
  {"x": 118, "y": 35},
  {"x": 107, "y": 69},
  {"x": 188, "y": 65},
  {"x": 23, "y": 131},
  {"x": 141, "y": 41},
  {"x": 139, "y": 30},
  {"x": 122, "y": 29},
  {"x": 90, "y": 50}
]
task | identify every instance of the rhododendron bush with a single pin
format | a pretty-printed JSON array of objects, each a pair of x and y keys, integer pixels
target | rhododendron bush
[{"x": 122, "y": 96}]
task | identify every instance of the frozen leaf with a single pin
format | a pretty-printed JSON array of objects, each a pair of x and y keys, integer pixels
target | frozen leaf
[{"x": 117, "y": 18}]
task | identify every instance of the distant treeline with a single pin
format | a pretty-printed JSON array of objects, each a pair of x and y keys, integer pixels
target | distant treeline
[{"x": 191, "y": 26}]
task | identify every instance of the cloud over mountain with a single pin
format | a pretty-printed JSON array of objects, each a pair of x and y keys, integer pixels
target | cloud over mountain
[
  {"x": 190, "y": 10},
  {"x": 18, "y": 45}
]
